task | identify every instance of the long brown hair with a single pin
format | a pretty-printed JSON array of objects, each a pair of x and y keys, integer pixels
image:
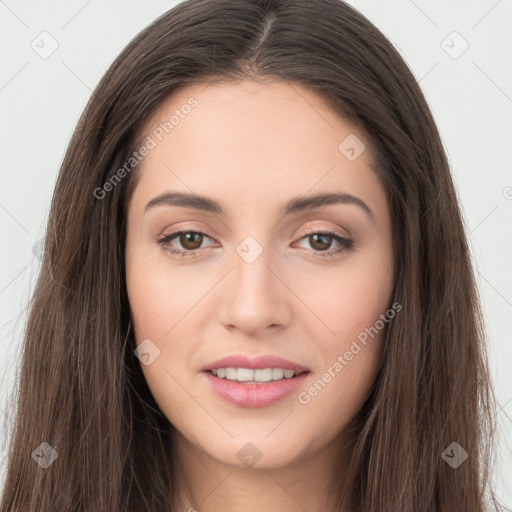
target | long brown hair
[{"x": 81, "y": 389}]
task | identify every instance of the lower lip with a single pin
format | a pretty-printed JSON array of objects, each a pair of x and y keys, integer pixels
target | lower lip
[{"x": 254, "y": 395}]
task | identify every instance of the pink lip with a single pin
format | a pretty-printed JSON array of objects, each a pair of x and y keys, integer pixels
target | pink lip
[
  {"x": 258, "y": 363},
  {"x": 254, "y": 395}
]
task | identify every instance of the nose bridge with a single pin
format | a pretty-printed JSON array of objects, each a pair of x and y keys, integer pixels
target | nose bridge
[
  {"x": 253, "y": 265},
  {"x": 252, "y": 277},
  {"x": 253, "y": 299}
]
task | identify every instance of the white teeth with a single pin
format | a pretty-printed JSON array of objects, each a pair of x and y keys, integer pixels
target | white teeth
[
  {"x": 277, "y": 373},
  {"x": 231, "y": 373},
  {"x": 241, "y": 374},
  {"x": 250, "y": 375},
  {"x": 263, "y": 375}
]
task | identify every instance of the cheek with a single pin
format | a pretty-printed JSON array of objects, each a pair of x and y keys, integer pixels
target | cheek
[
  {"x": 159, "y": 294},
  {"x": 349, "y": 358},
  {"x": 333, "y": 398},
  {"x": 350, "y": 297},
  {"x": 160, "y": 300},
  {"x": 350, "y": 301},
  {"x": 156, "y": 308}
]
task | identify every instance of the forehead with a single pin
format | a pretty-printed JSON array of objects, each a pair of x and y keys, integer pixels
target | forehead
[{"x": 246, "y": 139}]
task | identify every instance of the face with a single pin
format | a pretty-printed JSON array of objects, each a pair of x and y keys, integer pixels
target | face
[{"x": 262, "y": 272}]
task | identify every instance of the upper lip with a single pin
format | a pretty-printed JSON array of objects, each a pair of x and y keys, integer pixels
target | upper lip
[{"x": 257, "y": 363}]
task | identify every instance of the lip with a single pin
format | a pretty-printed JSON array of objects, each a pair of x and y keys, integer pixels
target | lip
[
  {"x": 254, "y": 395},
  {"x": 258, "y": 363}
]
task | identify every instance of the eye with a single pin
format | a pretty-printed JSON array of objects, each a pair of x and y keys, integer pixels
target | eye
[
  {"x": 191, "y": 241},
  {"x": 321, "y": 241}
]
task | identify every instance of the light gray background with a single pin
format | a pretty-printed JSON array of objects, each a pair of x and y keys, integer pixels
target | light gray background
[{"x": 470, "y": 96}]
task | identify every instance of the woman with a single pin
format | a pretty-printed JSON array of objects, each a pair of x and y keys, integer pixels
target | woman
[{"x": 256, "y": 290}]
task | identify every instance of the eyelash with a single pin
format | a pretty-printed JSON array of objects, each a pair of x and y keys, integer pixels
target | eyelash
[{"x": 346, "y": 243}]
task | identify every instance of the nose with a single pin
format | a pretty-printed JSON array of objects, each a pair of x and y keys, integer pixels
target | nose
[{"x": 254, "y": 297}]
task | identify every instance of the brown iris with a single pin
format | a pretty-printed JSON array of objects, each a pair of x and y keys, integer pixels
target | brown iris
[{"x": 191, "y": 241}]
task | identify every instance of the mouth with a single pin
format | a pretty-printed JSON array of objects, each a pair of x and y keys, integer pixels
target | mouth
[
  {"x": 254, "y": 382},
  {"x": 255, "y": 375}
]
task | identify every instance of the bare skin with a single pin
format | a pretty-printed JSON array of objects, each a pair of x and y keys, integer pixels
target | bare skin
[{"x": 252, "y": 147}]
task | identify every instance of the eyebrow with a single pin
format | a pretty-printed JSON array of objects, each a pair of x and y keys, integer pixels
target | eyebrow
[{"x": 295, "y": 205}]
